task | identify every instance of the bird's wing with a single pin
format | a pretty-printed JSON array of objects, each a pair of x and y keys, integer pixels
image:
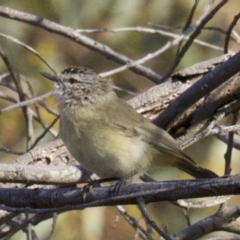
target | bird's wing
[
  {"x": 162, "y": 140},
  {"x": 132, "y": 124}
]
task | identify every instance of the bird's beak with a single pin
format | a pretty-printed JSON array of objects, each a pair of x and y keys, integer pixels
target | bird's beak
[{"x": 52, "y": 77}]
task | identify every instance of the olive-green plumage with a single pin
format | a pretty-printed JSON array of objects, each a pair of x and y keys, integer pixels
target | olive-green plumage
[{"x": 106, "y": 135}]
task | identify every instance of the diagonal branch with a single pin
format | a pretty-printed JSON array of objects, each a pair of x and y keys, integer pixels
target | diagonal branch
[
  {"x": 78, "y": 38},
  {"x": 209, "y": 82}
]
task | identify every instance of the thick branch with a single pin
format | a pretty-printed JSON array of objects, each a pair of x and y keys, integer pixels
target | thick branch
[
  {"x": 51, "y": 200},
  {"x": 201, "y": 88},
  {"x": 19, "y": 173},
  {"x": 210, "y": 224}
]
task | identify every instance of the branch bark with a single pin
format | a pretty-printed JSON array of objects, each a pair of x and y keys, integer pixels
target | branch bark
[
  {"x": 62, "y": 199},
  {"x": 204, "y": 86}
]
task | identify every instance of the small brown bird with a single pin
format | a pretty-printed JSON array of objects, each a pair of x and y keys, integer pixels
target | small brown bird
[{"x": 106, "y": 135}]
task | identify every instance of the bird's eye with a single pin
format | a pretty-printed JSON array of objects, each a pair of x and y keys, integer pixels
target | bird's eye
[{"x": 72, "y": 80}]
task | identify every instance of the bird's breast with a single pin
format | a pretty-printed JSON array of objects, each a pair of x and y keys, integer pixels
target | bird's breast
[{"x": 103, "y": 149}]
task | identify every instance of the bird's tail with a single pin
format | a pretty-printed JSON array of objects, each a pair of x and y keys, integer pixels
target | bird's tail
[{"x": 194, "y": 170}]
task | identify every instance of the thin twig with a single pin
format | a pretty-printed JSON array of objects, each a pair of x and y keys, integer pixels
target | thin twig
[
  {"x": 13, "y": 39},
  {"x": 77, "y": 37},
  {"x": 200, "y": 23},
  {"x": 229, "y": 31},
  {"x": 150, "y": 30},
  {"x": 132, "y": 221},
  {"x": 228, "y": 154},
  {"x": 41, "y": 136},
  {"x": 142, "y": 207}
]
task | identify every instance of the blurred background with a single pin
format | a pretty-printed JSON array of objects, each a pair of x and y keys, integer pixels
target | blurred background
[{"x": 101, "y": 223}]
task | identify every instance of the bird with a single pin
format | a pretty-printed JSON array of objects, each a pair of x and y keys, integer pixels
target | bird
[{"x": 106, "y": 135}]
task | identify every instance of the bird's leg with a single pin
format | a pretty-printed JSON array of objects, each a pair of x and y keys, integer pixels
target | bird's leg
[{"x": 97, "y": 183}]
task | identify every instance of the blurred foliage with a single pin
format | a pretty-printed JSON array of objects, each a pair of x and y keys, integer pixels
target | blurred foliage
[{"x": 60, "y": 52}]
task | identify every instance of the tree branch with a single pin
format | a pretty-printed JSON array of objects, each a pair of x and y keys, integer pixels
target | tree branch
[
  {"x": 62, "y": 199},
  {"x": 204, "y": 86},
  {"x": 78, "y": 38}
]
